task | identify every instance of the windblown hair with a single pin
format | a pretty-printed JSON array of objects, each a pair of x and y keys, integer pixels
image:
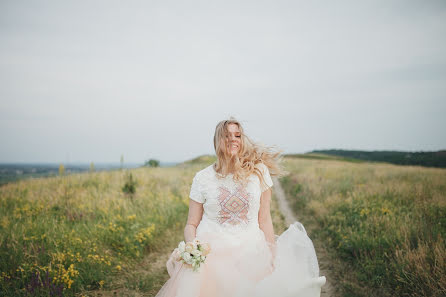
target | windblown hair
[{"x": 250, "y": 154}]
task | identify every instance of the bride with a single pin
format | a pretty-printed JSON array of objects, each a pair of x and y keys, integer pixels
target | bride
[{"x": 229, "y": 209}]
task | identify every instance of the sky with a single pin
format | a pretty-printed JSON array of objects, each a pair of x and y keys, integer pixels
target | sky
[{"x": 89, "y": 81}]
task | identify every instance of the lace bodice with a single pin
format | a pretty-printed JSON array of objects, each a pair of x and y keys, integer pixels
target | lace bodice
[{"x": 227, "y": 203}]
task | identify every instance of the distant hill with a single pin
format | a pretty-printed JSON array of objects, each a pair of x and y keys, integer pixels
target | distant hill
[
  {"x": 428, "y": 159},
  {"x": 11, "y": 172},
  {"x": 320, "y": 156},
  {"x": 203, "y": 159}
]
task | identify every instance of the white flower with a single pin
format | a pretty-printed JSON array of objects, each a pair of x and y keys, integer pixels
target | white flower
[
  {"x": 196, "y": 266},
  {"x": 206, "y": 249},
  {"x": 195, "y": 252},
  {"x": 181, "y": 246},
  {"x": 187, "y": 258},
  {"x": 189, "y": 247}
]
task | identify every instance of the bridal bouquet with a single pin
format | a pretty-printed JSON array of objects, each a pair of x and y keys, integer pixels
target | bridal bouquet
[{"x": 192, "y": 253}]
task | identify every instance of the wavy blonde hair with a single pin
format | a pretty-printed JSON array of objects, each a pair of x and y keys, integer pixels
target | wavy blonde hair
[{"x": 249, "y": 155}]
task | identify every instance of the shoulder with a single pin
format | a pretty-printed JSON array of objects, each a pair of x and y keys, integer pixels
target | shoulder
[
  {"x": 263, "y": 170},
  {"x": 267, "y": 181},
  {"x": 262, "y": 167}
]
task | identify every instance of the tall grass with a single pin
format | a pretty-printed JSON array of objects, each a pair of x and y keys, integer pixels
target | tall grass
[
  {"x": 70, "y": 234},
  {"x": 387, "y": 222},
  {"x": 83, "y": 235}
]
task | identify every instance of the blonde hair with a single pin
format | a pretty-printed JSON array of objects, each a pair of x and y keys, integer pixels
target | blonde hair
[{"x": 249, "y": 155}]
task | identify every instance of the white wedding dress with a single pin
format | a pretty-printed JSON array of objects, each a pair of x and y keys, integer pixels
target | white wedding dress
[{"x": 240, "y": 261}]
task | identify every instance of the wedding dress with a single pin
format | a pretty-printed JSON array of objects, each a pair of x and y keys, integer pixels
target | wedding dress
[{"x": 240, "y": 261}]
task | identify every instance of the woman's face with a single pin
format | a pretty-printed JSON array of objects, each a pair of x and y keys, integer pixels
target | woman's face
[{"x": 233, "y": 139}]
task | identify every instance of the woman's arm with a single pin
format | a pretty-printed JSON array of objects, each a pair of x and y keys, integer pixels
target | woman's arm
[
  {"x": 265, "y": 220},
  {"x": 193, "y": 219}
]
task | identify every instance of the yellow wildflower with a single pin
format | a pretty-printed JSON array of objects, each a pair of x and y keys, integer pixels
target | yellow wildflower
[{"x": 385, "y": 210}]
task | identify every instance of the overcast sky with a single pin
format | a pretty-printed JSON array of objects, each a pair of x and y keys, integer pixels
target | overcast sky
[{"x": 84, "y": 81}]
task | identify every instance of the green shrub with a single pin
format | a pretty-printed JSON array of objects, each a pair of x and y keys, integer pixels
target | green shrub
[{"x": 129, "y": 185}]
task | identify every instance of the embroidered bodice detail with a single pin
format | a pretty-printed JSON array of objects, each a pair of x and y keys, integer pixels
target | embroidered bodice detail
[
  {"x": 234, "y": 205},
  {"x": 229, "y": 206}
]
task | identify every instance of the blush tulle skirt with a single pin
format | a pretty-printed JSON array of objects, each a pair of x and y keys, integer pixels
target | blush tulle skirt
[{"x": 240, "y": 265}]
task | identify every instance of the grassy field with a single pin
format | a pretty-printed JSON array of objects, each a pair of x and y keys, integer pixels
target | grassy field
[
  {"x": 385, "y": 224},
  {"x": 81, "y": 235}
]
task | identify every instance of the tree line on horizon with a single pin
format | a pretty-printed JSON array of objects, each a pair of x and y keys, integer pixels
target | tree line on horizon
[{"x": 427, "y": 159}]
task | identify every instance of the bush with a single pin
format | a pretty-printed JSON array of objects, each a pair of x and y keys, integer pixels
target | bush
[
  {"x": 129, "y": 185},
  {"x": 152, "y": 163}
]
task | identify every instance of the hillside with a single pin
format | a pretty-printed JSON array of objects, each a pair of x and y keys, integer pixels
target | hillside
[
  {"x": 83, "y": 235},
  {"x": 428, "y": 159},
  {"x": 383, "y": 225}
]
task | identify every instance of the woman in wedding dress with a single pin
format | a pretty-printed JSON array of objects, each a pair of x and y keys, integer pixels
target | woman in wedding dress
[{"x": 229, "y": 208}]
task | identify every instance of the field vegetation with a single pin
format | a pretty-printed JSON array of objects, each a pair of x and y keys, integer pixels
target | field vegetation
[
  {"x": 105, "y": 233},
  {"x": 386, "y": 224}
]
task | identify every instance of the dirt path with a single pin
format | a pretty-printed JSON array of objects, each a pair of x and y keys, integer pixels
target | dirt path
[{"x": 324, "y": 264}]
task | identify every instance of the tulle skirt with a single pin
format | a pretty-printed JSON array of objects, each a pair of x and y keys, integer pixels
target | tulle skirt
[{"x": 240, "y": 264}]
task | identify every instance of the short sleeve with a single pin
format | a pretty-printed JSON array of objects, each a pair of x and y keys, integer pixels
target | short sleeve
[
  {"x": 266, "y": 176},
  {"x": 195, "y": 190}
]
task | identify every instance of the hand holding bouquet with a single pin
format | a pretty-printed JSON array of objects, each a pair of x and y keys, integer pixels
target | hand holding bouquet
[{"x": 192, "y": 253}]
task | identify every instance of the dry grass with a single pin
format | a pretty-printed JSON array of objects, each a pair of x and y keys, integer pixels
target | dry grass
[
  {"x": 116, "y": 245},
  {"x": 387, "y": 222}
]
